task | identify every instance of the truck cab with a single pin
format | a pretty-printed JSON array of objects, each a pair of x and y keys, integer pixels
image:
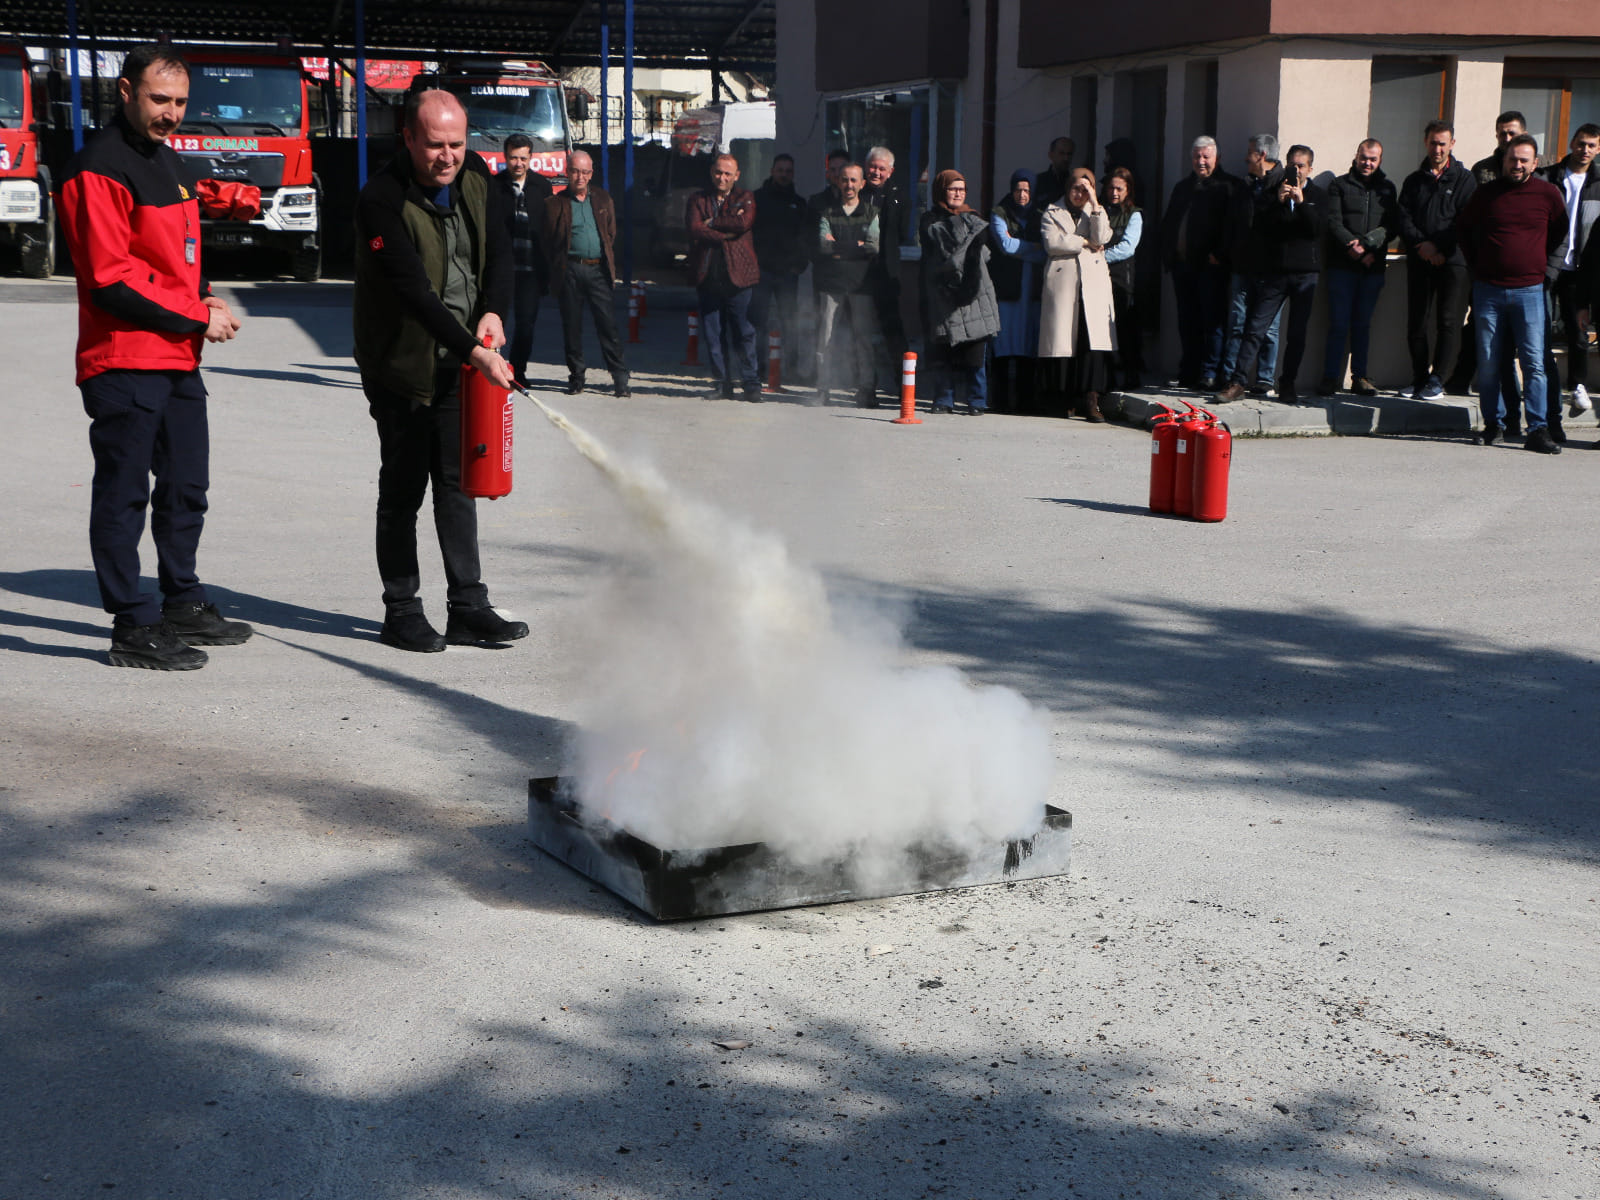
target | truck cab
[
  {"x": 503, "y": 98},
  {"x": 27, "y": 213},
  {"x": 250, "y": 122}
]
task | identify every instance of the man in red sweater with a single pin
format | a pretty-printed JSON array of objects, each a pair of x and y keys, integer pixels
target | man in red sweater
[
  {"x": 1508, "y": 231},
  {"x": 143, "y": 310}
]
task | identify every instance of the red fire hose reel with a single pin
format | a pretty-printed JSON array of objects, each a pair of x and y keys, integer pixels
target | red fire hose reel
[
  {"x": 1190, "y": 454},
  {"x": 485, "y": 435}
]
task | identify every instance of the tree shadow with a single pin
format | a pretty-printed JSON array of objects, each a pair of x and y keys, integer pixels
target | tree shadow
[
  {"x": 1321, "y": 702},
  {"x": 154, "y": 1045}
]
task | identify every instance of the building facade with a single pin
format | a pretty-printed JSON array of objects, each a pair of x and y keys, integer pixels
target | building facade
[{"x": 985, "y": 85}]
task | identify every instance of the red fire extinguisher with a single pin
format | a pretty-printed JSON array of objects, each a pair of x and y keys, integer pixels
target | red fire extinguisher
[
  {"x": 1163, "y": 459},
  {"x": 1212, "y": 453},
  {"x": 1189, "y": 425},
  {"x": 485, "y": 435}
]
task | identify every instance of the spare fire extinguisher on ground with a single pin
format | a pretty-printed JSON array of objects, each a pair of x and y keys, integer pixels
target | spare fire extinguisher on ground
[
  {"x": 1190, "y": 456},
  {"x": 485, "y": 435}
]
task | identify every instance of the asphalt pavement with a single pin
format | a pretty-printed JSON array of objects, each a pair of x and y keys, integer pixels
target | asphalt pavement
[{"x": 273, "y": 929}]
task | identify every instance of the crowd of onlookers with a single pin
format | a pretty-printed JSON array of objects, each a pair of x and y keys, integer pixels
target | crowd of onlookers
[{"x": 1038, "y": 305}]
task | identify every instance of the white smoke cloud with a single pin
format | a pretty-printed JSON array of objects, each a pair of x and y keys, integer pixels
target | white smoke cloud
[{"x": 731, "y": 700}]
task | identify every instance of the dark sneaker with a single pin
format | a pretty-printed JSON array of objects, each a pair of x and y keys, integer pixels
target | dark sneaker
[
  {"x": 574, "y": 387},
  {"x": 1431, "y": 390},
  {"x": 752, "y": 393},
  {"x": 411, "y": 631},
  {"x": 154, "y": 647},
  {"x": 1210, "y": 383},
  {"x": 481, "y": 627},
  {"x": 203, "y": 625},
  {"x": 1490, "y": 435},
  {"x": 620, "y": 388},
  {"x": 1540, "y": 442}
]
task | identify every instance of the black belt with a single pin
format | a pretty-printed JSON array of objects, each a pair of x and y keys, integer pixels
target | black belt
[{"x": 588, "y": 262}]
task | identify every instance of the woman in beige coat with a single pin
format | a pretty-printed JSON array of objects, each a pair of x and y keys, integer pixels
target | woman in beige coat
[{"x": 1077, "y": 328}]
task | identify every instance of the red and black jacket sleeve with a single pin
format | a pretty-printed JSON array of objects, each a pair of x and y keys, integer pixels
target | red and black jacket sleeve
[{"x": 134, "y": 231}]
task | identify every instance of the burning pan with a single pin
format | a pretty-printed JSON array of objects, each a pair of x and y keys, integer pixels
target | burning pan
[{"x": 674, "y": 885}]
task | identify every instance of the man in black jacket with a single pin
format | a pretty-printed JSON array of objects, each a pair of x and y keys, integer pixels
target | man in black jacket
[
  {"x": 1362, "y": 217},
  {"x": 1249, "y": 259},
  {"x": 884, "y": 274},
  {"x": 1436, "y": 273},
  {"x": 783, "y": 250},
  {"x": 523, "y": 192},
  {"x": 1577, "y": 177},
  {"x": 1287, "y": 229},
  {"x": 1194, "y": 249},
  {"x": 433, "y": 275}
]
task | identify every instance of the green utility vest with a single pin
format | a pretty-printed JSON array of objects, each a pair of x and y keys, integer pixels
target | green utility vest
[{"x": 393, "y": 349}]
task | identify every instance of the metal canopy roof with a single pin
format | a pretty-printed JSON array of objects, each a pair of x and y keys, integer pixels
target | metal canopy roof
[{"x": 735, "y": 34}]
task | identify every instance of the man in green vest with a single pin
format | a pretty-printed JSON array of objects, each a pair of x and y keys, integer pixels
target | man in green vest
[{"x": 433, "y": 276}]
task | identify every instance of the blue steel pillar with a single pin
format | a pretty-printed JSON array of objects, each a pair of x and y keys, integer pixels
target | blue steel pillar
[
  {"x": 72, "y": 74},
  {"x": 605, "y": 98},
  {"x": 627, "y": 140},
  {"x": 361, "y": 93}
]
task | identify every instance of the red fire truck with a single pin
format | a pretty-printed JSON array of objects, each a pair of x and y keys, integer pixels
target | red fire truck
[
  {"x": 250, "y": 122},
  {"x": 506, "y": 97},
  {"x": 27, "y": 216}
]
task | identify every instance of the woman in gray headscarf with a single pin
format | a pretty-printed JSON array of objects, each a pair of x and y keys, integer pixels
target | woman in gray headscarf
[{"x": 959, "y": 311}]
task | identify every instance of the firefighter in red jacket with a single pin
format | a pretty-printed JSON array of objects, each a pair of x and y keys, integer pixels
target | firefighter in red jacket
[{"x": 143, "y": 308}]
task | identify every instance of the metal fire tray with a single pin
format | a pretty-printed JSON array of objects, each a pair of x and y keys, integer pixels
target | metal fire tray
[{"x": 674, "y": 885}]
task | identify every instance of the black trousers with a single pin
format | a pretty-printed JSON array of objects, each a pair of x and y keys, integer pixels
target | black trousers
[
  {"x": 526, "y": 287},
  {"x": 1569, "y": 299},
  {"x": 1447, "y": 291},
  {"x": 145, "y": 423},
  {"x": 584, "y": 285},
  {"x": 419, "y": 446},
  {"x": 1271, "y": 292}
]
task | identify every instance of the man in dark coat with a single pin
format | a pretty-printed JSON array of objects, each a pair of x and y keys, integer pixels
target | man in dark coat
[
  {"x": 1249, "y": 258},
  {"x": 1436, "y": 273},
  {"x": 1194, "y": 249},
  {"x": 433, "y": 276},
  {"x": 781, "y": 235},
  {"x": 885, "y": 270},
  {"x": 580, "y": 233},
  {"x": 722, "y": 264},
  {"x": 1362, "y": 219},
  {"x": 1577, "y": 178},
  {"x": 1288, "y": 227},
  {"x": 523, "y": 192}
]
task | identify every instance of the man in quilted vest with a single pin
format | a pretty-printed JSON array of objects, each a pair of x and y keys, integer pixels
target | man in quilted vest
[{"x": 433, "y": 276}]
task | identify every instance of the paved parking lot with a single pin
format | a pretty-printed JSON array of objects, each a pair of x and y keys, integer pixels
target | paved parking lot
[{"x": 272, "y": 929}]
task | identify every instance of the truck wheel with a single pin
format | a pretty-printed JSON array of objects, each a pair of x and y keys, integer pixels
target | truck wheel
[
  {"x": 37, "y": 244},
  {"x": 305, "y": 264}
]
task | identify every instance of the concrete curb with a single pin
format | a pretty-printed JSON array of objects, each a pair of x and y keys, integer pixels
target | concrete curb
[{"x": 1314, "y": 417}]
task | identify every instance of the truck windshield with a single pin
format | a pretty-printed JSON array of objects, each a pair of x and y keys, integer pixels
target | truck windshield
[
  {"x": 497, "y": 110},
  {"x": 235, "y": 97},
  {"x": 12, "y": 81}
]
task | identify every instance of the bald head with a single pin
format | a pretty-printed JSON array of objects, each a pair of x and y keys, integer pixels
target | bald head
[
  {"x": 580, "y": 173},
  {"x": 435, "y": 136}
]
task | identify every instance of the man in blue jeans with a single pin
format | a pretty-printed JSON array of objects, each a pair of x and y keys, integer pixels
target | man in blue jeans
[
  {"x": 1361, "y": 220},
  {"x": 1507, "y": 232}
]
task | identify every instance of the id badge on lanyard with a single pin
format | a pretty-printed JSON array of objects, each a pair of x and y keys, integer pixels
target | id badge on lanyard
[{"x": 189, "y": 245}]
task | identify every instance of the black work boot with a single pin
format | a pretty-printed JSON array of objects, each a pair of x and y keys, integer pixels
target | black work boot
[
  {"x": 155, "y": 647},
  {"x": 203, "y": 625},
  {"x": 481, "y": 627},
  {"x": 410, "y": 631}
]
